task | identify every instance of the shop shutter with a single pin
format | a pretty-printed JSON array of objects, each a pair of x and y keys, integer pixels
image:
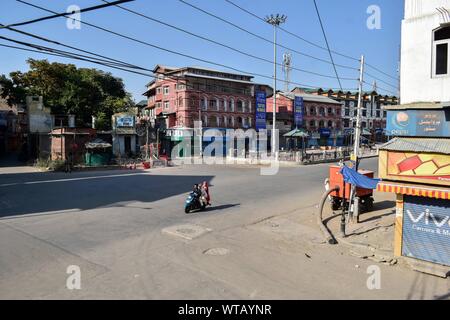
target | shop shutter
[{"x": 426, "y": 229}]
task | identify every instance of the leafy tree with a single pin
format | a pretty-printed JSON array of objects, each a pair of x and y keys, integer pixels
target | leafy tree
[{"x": 67, "y": 89}]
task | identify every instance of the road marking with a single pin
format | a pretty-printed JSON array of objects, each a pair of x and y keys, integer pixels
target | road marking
[
  {"x": 72, "y": 179},
  {"x": 48, "y": 213}
]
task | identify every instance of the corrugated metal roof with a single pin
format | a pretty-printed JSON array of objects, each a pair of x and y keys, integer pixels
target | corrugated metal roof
[
  {"x": 432, "y": 145},
  {"x": 310, "y": 97},
  {"x": 418, "y": 106},
  {"x": 217, "y": 78}
]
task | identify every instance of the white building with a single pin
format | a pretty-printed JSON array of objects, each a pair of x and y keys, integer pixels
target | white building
[{"x": 425, "y": 53}]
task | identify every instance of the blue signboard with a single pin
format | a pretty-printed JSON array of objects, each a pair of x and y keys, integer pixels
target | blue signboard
[
  {"x": 420, "y": 123},
  {"x": 426, "y": 229},
  {"x": 125, "y": 121},
  {"x": 325, "y": 132},
  {"x": 260, "y": 121},
  {"x": 298, "y": 111}
]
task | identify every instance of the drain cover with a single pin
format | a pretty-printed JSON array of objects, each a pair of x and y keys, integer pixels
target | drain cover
[
  {"x": 186, "y": 231},
  {"x": 217, "y": 251}
]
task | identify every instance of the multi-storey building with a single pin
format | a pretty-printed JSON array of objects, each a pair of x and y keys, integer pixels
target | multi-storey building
[
  {"x": 415, "y": 165},
  {"x": 321, "y": 117},
  {"x": 373, "y": 117},
  {"x": 180, "y": 96}
]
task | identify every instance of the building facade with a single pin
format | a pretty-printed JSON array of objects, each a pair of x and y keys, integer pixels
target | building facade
[
  {"x": 425, "y": 54},
  {"x": 321, "y": 117},
  {"x": 216, "y": 99},
  {"x": 415, "y": 165},
  {"x": 373, "y": 115}
]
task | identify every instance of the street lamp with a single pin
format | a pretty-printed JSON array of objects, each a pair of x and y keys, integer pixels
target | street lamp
[{"x": 275, "y": 21}]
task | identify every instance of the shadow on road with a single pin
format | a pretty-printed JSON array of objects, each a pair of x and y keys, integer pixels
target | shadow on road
[{"x": 32, "y": 193}]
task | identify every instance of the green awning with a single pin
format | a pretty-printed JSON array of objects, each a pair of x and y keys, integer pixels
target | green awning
[{"x": 297, "y": 133}]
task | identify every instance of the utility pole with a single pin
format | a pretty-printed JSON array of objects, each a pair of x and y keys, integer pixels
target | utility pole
[
  {"x": 275, "y": 21},
  {"x": 200, "y": 132},
  {"x": 357, "y": 140},
  {"x": 147, "y": 153}
]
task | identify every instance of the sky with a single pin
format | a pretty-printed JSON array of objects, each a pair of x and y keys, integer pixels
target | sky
[{"x": 345, "y": 23}]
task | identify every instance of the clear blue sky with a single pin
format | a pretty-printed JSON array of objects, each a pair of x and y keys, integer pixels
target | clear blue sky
[{"x": 344, "y": 20}]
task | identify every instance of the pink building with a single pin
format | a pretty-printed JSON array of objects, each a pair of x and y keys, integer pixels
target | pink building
[{"x": 219, "y": 99}]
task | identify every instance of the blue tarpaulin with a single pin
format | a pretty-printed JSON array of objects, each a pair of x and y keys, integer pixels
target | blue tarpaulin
[{"x": 351, "y": 176}]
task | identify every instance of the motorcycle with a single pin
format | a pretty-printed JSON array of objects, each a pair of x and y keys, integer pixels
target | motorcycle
[{"x": 193, "y": 202}]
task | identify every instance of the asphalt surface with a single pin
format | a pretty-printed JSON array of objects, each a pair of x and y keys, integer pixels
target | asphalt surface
[{"x": 110, "y": 224}]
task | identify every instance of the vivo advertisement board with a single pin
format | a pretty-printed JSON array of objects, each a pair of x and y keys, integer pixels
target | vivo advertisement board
[
  {"x": 419, "y": 123},
  {"x": 260, "y": 121},
  {"x": 298, "y": 111},
  {"x": 426, "y": 229}
]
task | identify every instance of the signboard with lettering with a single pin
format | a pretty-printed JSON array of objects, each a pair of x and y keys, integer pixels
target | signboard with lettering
[
  {"x": 426, "y": 229},
  {"x": 260, "y": 120},
  {"x": 298, "y": 111},
  {"x": 325, "y": 131},
  {"x": 420, "y": 123},
  {"x": 124, "y": 121}
]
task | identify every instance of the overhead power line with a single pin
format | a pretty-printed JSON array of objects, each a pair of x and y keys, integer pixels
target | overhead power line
[
  {"x": 65, "y": 54},
  {"x": 381, "y": 71},
  {"x": 326, "y": 41},
  {"x": 291, "y": 33},
  {"x": 224, "y": 45},
  {"x": 72, "y": 56},
  {"x": 384, "y": 89},
  {"x": 57, "y": 15},
  {"x": 168, "y": 50},
  {"x": 310, "y": 42},
  {"x": 261, "y": 37},
  {"x": 125, "y": 64},
  {"x": 378, "y": 79}
]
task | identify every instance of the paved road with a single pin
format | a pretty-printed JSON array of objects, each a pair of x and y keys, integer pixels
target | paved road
[{"x": 109, "y": 224}]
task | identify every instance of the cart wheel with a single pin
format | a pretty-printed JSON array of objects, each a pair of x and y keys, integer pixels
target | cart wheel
[
  {"x": 335, "y": 204},
  {"x": 368, "y": 204}
]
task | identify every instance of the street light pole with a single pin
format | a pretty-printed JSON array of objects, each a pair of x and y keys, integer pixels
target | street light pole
[{"x": 275, "y": 21}]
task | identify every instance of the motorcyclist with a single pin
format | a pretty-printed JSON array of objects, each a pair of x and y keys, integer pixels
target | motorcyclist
[{"x": 205, "y": 193}]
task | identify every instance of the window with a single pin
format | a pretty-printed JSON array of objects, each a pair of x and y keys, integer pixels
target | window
[
  {"x": 330, "y": 111},
  {"x": 166, "y": 105},
  {"x": 441, "y": 52},
  {"x": 225, "y": 105},
  {"x": 204, "y": 104},
  {"x": 240, "y": 106},
  {"x": 347, "y": 112},
  {"x": 166, "y": 90},
  {"x": 213, "y": 104},
  {"x": 321, "y": 124},
  {"x": 158, "y": 90},
  {"x": 312, "y": 124},
  {"x": 181, "y": 86},
  {"x": 330, "y": 124},
  {"x": 321, "y": 111},
  {"x": 311, "y": 111}
]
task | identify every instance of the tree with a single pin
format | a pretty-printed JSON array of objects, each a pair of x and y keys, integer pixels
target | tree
[{"x": 67, "y": 89}]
